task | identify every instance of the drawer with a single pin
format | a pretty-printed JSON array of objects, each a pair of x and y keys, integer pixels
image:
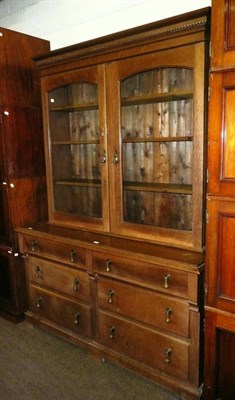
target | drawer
[
  {"x": 145, "y": 345},
  {"x": 159, "y": 277},
  {"x": 56, "y": 250},
  {"x": 67, "y": 280},
  {"x": 158, "y": 310},
  {"x": 64, "y": 312}
]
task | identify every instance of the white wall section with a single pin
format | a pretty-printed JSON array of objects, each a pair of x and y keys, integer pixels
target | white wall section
[{"x": 66, "y": 22}]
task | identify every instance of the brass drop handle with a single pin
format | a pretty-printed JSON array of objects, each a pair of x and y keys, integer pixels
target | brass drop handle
[
  {"x": 34, "y": 244},
  {"x": 168, "y": 314},
  {"x": 76, "y": 285},
  {"x": 37, "y": 271},
  {"x": 77, "y": 318},
  {"x": 168, "y": 355},
  {"x": 73, "y": 254},
  {"x": 39, "y": 302},
  {"x": 115, "y": 157},
  {"x": 107, "y": 264},
  {"x": 103, "y": 157},
  {"x": 110, "y": 296},
  {"x": 112, "y": 332},
  {"x": 166, "y": 281}
]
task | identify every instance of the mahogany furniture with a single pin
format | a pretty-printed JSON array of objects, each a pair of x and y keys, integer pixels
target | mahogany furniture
[
  {"x": 220, "y": 249},
  {"x": 119, "y": 266},
  {"x": 22, "y": 170}
]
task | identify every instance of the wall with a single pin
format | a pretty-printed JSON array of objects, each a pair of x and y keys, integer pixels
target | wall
[{"x": 66, "y": 22}]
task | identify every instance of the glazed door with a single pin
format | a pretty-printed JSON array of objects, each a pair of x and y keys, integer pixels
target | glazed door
[
  {"x": 156, "y": 122},
  {"x": 74, "y": 116}
]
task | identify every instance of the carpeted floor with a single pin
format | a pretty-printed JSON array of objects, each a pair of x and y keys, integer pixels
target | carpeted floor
[{"x": 35, "y": 365}]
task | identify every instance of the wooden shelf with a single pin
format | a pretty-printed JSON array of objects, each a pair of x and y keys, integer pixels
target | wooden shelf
[
  {"x": 138, "y": 186},
  {"x": 158, "y": 187},
  {"x": 156, "y": 98},
  {"x": 158, "y": 139},
  {"x": 74, "y": 142},
  {"x": 75, "y": 107},
  {"x": 79, "y": 182}
]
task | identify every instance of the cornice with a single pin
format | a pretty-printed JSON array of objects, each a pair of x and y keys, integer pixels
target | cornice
[{"x": 121, "y": 41}]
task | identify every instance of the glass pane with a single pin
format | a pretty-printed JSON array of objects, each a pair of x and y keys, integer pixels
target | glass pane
[
  {"x": 162, "y": 80},
  {"x": 160, "y": 209},
  {"x": 161, "y": 162},
  {"x": 83, "y": 201},
  {"x": 75, "y": 149},
  {"x": 157, "y": 147},
  {"x": 165, "y": 119}
]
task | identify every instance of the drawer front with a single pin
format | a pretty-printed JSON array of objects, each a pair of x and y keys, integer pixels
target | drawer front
[
  {"x": 159, "y": 277},
  {"x": 158, "y": 310},
  {"x": 59, "y": 251},
  {"x": 67, "y": 280},
  {"x": 66, "y": 313},
  {"x": 145, "y": 345}
]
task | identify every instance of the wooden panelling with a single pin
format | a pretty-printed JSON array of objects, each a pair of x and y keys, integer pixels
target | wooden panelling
[
  {"x": 230, "y": 26},
  {"x": 23, "y": 195},
  {"x": 228, "y": 166},
  {"x": 223, "y": 34},
  {"x": 219, "y": 362},
  {"x": 226, "y": 259},
  {"x": 220, "y": 255},
  {"x": 225, "y": 387},
  {"x": 221, "y": 139}
]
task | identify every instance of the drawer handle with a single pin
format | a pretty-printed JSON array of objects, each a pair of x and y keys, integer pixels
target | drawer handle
[
  {"x": 34, "y": 244},
  {"x": 112, "y": 330},
  {"x": 168, "y": 314},
  {"x": 76, "y": 285},
  {"x": 108, "y": 263},
  {"x": 37, "y": 271},
  {"x": 73, "y": 254},
  {"x": 77, "y": 318},
  {"x": 39, "y": 302},
  {"x": 110, "y": 296},
  {"x": 168, "y": 355},
  {"x": 166, "y": 281}
]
